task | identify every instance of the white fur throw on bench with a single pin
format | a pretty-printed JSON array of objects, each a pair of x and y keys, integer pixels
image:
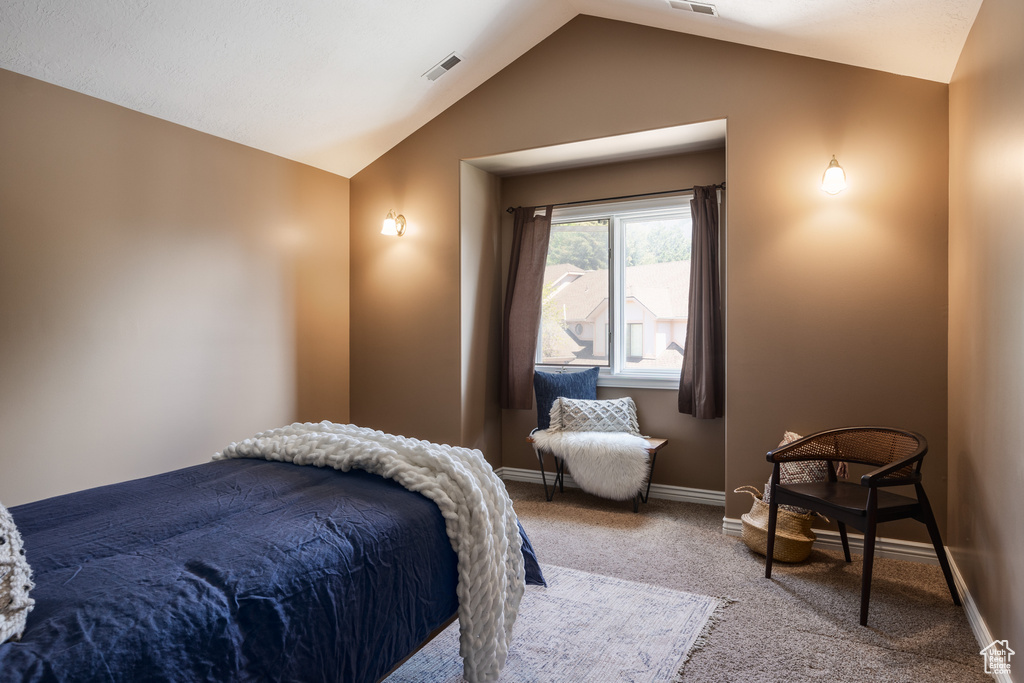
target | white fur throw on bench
[
  {"x": 478, "y": 514},
  {"x": 607, "y": 464}
]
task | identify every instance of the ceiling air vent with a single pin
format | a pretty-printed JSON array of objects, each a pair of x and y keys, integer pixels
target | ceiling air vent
[
  {"x": 695, "y": 7},
  {"x": 443, "y": 67}
]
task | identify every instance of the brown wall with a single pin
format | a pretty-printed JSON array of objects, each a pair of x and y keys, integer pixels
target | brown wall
[
  {"x": 836, "y": 305},
  {"x": 695, "y": 454},
  {"x": 480, "y": 251},
  {"x": 986, "y": 311},
  {"x": 162, "y": 292}
]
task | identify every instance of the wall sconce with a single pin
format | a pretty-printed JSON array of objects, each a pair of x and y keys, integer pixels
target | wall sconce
[
  {"x": 394, "y": 224},
  {"x": 833, "y": 181}
]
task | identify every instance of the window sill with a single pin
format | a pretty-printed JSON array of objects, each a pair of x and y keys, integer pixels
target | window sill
[
  {"x": 636, "y": 382},
  {"x": 623, "y": 380}
]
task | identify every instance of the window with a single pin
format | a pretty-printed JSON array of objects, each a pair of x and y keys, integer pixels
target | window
[
  {"x": 635, "y": 345},
  {"x": 616, "y": 288}
]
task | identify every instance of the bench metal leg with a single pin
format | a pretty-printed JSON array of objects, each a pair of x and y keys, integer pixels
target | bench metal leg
[
  {"x": 559, "y": 479},
  {"x": 650, "y": 475},
  {"x": 642, "y": 496}
]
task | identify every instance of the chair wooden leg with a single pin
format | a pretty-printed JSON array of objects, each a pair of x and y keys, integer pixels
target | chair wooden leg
[
  {"x": 773, "y": 514},
  {"x": 869, "y": 555},
  {"x": 940, "y": 549},
  {"x": 846, "y": 541}
]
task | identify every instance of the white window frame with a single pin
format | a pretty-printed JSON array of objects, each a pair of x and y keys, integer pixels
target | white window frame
[
  {"x": 615, "y": 374},
  {"x": 629, "y": 340}
]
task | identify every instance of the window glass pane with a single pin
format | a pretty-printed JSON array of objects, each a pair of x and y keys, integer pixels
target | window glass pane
[
  {"x": 656, "y": 281},
  {"x": 574, "y": 315}
]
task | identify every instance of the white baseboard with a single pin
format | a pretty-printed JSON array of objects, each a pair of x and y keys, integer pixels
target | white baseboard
[
  {"x": 664, "y": 491},
  {"x": 978, "y": 626},
  {"x": 893, "y": 548}
]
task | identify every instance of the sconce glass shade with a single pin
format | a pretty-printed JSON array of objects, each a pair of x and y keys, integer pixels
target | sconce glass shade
[
  {"x": 394, "y": 224},
  {"x": 833, "y": 181}
]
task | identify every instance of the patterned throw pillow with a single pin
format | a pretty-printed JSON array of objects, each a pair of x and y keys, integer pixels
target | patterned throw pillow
[
  {"x": 15, "y": 580},
  {"x": 798, "y": 472},
  {"x": 550, "y": 385},
  {"x": 579, "y": 415}
]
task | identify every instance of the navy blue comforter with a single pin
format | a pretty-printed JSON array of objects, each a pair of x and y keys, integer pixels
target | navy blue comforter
[{"x": 237, "y": 570}]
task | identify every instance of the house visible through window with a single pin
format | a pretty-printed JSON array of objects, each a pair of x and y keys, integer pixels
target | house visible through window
[
  {"x": 616, "y": 287},
  {"x": 635, "y": 344}
]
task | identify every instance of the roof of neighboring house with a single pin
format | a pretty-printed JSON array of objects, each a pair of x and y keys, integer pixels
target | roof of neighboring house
[
  {"x": 554, "y": 273},
  {"x": 671, "y": 357},
  {"x": 646, "y": 284},
  {"x": 558, "y": 345}
]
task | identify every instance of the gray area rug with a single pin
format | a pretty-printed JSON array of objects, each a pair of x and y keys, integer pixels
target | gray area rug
[{"x": 585, "y": 627}]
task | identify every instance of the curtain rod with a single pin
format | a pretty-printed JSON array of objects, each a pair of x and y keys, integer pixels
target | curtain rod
[{"x": 718, "y": 186}]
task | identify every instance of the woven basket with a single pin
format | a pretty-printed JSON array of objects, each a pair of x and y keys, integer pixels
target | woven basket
[{"x": 793, "y": 535}]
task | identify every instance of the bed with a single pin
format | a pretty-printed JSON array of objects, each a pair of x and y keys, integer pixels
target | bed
[{"x": 234, "y": 570}]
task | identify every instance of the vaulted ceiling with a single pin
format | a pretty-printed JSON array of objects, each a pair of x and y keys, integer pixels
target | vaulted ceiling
[{"x": 336, "y": 83}]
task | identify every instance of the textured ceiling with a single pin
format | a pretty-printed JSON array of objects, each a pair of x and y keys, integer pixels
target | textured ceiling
[
  {"x": 336, "y": 83},
  {"x": 920, "y": 38}
]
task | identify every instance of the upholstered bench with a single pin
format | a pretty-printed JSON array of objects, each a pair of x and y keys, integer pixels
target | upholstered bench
[{"x": 655, "y": 445}]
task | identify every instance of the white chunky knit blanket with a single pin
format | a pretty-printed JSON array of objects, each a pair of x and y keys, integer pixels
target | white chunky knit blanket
[
  {"x": 481, "y": 523},
  {"x": 15, "y": 580}
]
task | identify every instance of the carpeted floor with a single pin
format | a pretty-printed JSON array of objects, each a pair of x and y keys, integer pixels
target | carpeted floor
[{"x": 800, "y": 626}]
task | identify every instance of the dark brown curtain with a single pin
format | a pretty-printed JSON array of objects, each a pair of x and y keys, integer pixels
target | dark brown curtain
[
  {"x": 522, "y": 305},
  {"x": 702, "y": 382}
]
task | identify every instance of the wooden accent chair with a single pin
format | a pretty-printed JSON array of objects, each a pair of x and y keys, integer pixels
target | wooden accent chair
[{"x": 896, "y": 453}]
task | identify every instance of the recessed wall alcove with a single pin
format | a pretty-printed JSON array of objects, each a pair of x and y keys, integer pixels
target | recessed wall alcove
[{"x": 633, "y": 163}]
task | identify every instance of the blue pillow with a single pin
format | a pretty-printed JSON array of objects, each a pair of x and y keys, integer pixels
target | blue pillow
[{"x": 550, "y": 385}]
